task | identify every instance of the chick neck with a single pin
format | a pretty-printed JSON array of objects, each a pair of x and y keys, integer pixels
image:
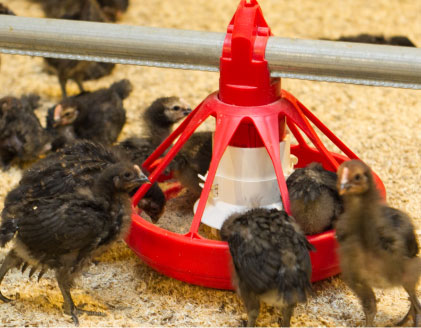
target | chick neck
[
  {"x": 104, "y": 186},
  {"x": 362, "y": 212},
  {"x": 157, "y": 123}
]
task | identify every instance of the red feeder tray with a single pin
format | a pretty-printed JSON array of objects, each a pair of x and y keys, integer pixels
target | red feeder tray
[{"x": 251, "y": 111}]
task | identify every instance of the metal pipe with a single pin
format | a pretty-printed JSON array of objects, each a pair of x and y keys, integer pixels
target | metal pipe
[{"x": 150, "y": 46}]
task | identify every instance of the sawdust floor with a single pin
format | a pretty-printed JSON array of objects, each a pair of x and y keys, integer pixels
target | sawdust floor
[{"x": 381, "y": 125}]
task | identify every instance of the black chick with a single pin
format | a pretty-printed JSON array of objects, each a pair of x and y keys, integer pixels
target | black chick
[
  {"x": 193, "y": 159},
  {"x": 314, "y": 199},
  {"x": 22, "y": 138},
  {"x": 113, "y": 8},
  {"x": 103, "y": 10},
  {"x": 398, "y": 40},
  {"x": 5, "y": 10},
  {"x": 377, "y": 243},
  {"x": 137, "y": 150},
  {"x": 65, "y": 231},
  {"x": 161, "y": 116},
  {"x": 98, "y": 116},
  {"x": 271, "y": 261},
  {"x": 78, "y": 166},
  {"x": 79, "y": 71}
]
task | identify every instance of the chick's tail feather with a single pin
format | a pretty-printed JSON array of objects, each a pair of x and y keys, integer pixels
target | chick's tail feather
[{"x": 8, "y": 229}]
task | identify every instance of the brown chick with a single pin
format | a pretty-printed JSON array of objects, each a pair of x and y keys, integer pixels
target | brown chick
[
  {"x": 314, "y": 200},
  {"x": 397, "y": 40},
  {"x": 98, "y": 116},
  {"x": 270, "y": 259},
  {"x": 79, "y": 71},
  {"x": 193, "y": 159},
  {"x": 161, "y": 116},
  {"x": 22, "y": 138},
  {"x": 377, "y": 243},
  {"x": 63, "y": 231},
  {"x": 5, "y": 11}
]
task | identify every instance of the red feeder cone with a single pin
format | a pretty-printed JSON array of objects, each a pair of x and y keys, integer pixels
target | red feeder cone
[{"x": 250, "y": 111}]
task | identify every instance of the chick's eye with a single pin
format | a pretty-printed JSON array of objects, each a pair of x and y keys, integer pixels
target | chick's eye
[
  {"x": 357, "y": 177},
  {"x": 128, "y": 175},
  {"x": 176, "y": 108}
]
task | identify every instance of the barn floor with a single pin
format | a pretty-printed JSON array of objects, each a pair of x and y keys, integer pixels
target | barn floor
[{"x": 381, "y": 125}]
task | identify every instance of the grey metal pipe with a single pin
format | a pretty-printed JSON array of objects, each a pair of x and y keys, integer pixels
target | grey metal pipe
[{"x": 161, "y": 47}]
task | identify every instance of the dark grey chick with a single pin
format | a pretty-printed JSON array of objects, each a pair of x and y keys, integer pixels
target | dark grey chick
[
  {"x": 137, "y": 150},
  {"x": 271, "y": 261},
  {"x": 107, "y": 10},
  {"x": 5, "y": 10},
  {"x": 113, "y": 9},
  {"x": 161, "y": 116},
  {"x": 193, "y": 158},
  {"x": 22, "y": 138},
  {"x": 314, "y": 199},
  {"x": 77, "y": 165},
  {"x": 98, "y": 116},
  {"x": 79, "y": 71},
  {"x": 377, "y": 243},
  {"x": 398, "y": 40},
  {"x": 65, "y": 231}
]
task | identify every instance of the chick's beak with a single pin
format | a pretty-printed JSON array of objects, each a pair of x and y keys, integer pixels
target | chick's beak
[
  {"x": 343, "y": 188},
  {"x": 187, "y": 111},
  {"x": 141, "y": 177}
]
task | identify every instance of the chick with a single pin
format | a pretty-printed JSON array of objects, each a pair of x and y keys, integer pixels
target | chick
[
  {"x": 271, "y": 261},
  {"x": 398, "y": 40},
  {"x": 79, "y": 71},
  {"x": 105, "y": 10},
  {"x": 113, "y": 8},
  {"x": 22, "y": 138},
  {"x": 193, "y": 159},
  {"x": 377, "y": 243},
  {"x": 98, "y": 116},
  {"x": 314, "y": 200},
  {"x": 5, "y": 11},
  {"x": 160, "y": 117},
  {"x": 137, "y": 150},
  {"x": 63, "y": 232}
]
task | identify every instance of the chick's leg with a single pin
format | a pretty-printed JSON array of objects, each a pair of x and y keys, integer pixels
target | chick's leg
[
  {"x": 414, "y": 310},
  {"x": 368, "y": 300},
  {"x": 286, "y": 314},
  {"x": 252, "y": 305},
  {"x": 65, "y": 281},
  {"x": 10, "y": 261}
]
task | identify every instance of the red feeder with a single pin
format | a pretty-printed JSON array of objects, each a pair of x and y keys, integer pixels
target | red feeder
[{"x": 250, "y": 111}]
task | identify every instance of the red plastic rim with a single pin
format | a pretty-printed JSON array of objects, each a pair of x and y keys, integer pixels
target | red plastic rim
[{"x": 200, "y": 261}]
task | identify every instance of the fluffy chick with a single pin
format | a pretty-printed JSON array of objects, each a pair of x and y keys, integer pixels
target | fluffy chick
[
  {"x": 398, "y": 40},
  {"x": 137, "y": 150},
  {"x": 315, "y": 202},
  {"x": 377, "y": 243},
  {"x": 98, "y": 116},
  {"x": 160, "y": 117},
  {"x": 78, "y": 165},
  {"x": 193, "y": 158},
  {"x": 271, "y": 261},
  {"x": 82, "y": 9},
  {"x": 5, "y": 10},
  {"x": 22, "y": 138},
  {"x": 79, "y": 71},
  {"x": 113, "y": 8},
  {"x": 63, "y": 232}
]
